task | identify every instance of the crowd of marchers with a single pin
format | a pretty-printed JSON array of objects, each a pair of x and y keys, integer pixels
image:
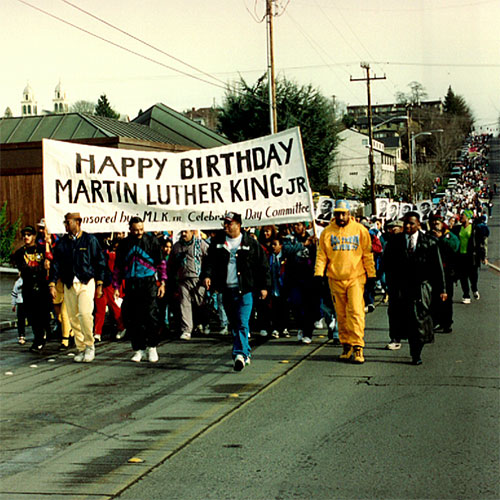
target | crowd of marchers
[{"x": 270, "y": 281}]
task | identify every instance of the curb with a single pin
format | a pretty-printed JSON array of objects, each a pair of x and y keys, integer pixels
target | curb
[{"x": 7, "y": 325}]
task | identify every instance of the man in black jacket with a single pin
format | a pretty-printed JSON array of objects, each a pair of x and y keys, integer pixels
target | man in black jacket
[
  {"x": 139, "y": 261},
  {"x": 414, "y": 273},
  {"x": 80, "y": 264},
  {"x": 236, "y": 265},
  {"x": 30, "y": 259}
]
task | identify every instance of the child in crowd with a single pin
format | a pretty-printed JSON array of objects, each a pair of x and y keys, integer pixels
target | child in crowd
[{"x": 18, "y": 308}]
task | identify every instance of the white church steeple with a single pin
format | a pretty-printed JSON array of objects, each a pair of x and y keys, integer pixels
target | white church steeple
[
  {"x": 60, "y": 103},
  {"x": 28, "y": 104}
]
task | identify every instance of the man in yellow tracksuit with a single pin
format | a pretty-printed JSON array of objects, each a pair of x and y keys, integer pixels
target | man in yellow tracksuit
[{"x": 345, "y": 251}]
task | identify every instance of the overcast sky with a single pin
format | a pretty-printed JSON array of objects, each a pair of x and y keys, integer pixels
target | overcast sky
[{"x": 435, "y": 42}]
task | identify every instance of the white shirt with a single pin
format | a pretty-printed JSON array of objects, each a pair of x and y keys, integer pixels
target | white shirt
[{"x": 232, "y": 245}]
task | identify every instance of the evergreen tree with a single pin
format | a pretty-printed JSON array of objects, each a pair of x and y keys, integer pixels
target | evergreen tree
[
  {"x": 455, "y": 105},
  {"x": 245, "y": 115},
  {"x": 103, "y": 108}
]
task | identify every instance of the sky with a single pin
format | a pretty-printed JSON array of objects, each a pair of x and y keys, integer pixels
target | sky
[{"x": 319, "y": 42}]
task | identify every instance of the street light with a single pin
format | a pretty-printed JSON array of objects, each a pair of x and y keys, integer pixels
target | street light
[
  {"x": 390, "y": 120},
  {"x": 413, "y": 154},
  {"x": 413, "y": 138}
]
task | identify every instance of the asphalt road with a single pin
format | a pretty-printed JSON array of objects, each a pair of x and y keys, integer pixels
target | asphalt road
[{"x": 296, "y": 424}]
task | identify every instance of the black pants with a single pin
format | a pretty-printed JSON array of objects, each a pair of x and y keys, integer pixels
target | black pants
[
  {"x": 442, "y": 312},
  {"x": 140, "y": 312},
  {"x": 21, "y": 319},
  {"x": 37, "y": 304},
  {"x": 468, "y": 273}
]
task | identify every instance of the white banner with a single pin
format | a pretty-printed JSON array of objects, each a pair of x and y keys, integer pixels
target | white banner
[{"x": 265, "y": 180}]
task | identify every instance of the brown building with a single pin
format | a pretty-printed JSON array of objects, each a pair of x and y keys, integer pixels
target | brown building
[{"x": 160, "y": 128}]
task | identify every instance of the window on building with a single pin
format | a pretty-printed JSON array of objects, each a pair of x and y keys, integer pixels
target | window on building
[
  {"x": 24, "y": 110},
  {"x": 29, "y": 109}
]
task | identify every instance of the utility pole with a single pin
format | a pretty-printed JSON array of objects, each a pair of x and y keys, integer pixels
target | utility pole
[
  {"x": 270, "y": 67},
  {"x": 410, "y": 154},
  {"x": 368, "y": 78}
]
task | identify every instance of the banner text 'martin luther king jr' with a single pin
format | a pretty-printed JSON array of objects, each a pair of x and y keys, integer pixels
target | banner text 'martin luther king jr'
[{"x": 264, "y": 179}]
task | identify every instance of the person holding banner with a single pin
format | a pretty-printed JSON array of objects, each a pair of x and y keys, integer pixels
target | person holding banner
[
  {"x": 184, "y": 268},
  {"x": 31, "y": 260},
  {"x": 79, "y": 263},
  {"x": 344, "y": 252},
  {"x": 139, "y": 260},
  {"x": 237, "y": 266}
]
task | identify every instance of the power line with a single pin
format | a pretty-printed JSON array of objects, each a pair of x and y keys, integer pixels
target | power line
[
  {"x": 440, "y": 65},
  {"x": 121, "y": 46},
  {"x": 434, "y": 6},
  {"x": 355, "y": 36},
  {"x": 313, "y": 43},
  {"x": 140, "y": 40}
]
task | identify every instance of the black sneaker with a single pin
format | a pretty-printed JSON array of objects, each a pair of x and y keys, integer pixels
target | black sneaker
[
  {"x": 36, "y": 348},
  {"x": 239, "y": 363}
]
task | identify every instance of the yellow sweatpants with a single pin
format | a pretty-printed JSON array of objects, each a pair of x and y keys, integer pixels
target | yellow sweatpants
[
  {"x": 62, "y": 312},
  {"x": 349, "y": 304},
  {"x": 79, "y": 301}
]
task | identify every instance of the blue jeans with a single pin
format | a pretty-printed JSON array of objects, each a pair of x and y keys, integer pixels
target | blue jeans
[{"x": 238, "y": 309}]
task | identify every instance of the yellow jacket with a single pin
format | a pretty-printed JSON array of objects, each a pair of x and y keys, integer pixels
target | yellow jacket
[{"x": 345, "y": 252}]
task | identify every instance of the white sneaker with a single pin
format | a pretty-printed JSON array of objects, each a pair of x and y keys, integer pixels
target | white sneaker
[
  {"x": 320, "y": 324},
  {"x": 239, "y": 363},
  {"x": 97, "y": 337},
  {"x": 206, "y": 330},
  {"x": 224, "y": 331},
  {"x": 286, "y": 333},
  {"x": 263, "y": 333},
  {"x": 152, "y": 355},
  {"x": 306, "y": 340},
  {"x": 136, "y": 358},
  {"x": 393, "y": 346},
  {"x": 121, "y": 334},
  {"x": 89, "y": 355},
  {"x": 79, "y": 357},
  {"x": 275, "y": 334},
  {"x": 300, "y": 335},
  {"x": 332, "y": 324},
  {"x": 477, "y": 296},
  {"x": 465, "y": 301},
  {"x": 186, "y": 336}
]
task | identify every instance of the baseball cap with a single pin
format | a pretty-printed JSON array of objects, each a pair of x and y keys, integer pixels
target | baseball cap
[
  {"x": 230, "y": 216},
  {"x": 28, "y": 229},
  {"x": 342, "y": 206}
]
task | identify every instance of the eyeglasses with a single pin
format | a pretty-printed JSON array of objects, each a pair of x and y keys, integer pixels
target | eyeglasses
[{"x": 66, "y": 222}]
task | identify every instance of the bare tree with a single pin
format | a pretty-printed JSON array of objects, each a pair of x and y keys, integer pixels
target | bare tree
[{"x": 83, "y": 107}]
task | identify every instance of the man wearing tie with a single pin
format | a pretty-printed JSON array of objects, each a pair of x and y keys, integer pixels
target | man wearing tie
[{"x": 414, "y": 272}]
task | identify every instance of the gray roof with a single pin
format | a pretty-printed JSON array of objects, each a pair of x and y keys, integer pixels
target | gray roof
[
  {"x": 180, "y": 129},
  {"x": 73, "y": 126}
]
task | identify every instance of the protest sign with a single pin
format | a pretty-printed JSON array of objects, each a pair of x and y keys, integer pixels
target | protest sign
[{"x": 264, "y": 179}]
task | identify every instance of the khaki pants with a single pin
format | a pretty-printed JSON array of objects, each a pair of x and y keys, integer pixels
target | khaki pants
[
  {"x": 349, "y": 303},
  {"x": 79, "y": 301}
]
